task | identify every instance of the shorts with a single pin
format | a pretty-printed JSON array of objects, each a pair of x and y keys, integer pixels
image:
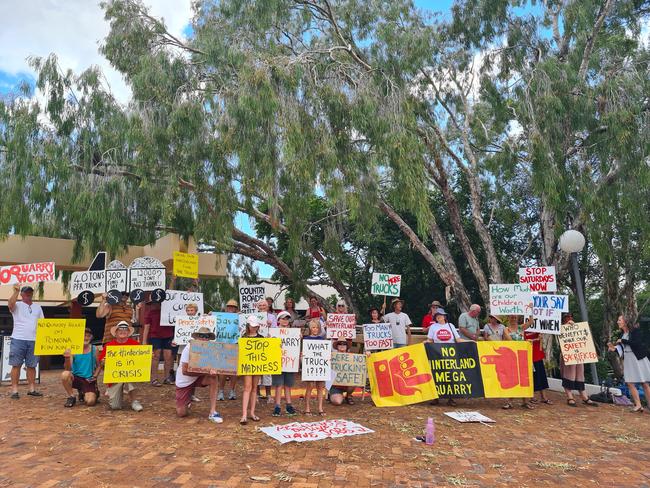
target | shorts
[
  {"x": 84, "y": 385},
  {"x": 159, "y": 343},
  {"x": 284, "y": 379},
  {"x": 184, "y": 393},
  {"x": 21, "y": 351},
  {"x": 265, "y": 380},
  {"x": 115, "y": 393}
]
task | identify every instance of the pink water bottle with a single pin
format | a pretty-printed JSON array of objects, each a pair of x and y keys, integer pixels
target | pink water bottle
[{"x": 430, "y": 436}]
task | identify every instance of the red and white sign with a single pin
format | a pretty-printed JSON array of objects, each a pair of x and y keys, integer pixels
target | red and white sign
[
  {"x": 314, "y": 431},
  {"x": 540, "y": 278},
  {"x": 341, "y": 326},
  {"x": 27, "y": 273}
]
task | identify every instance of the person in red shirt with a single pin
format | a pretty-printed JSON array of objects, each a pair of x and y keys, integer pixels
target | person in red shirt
[
  {"x": 540, "y": 381},
  {"x": 160, "y": 337},
  {"x": 122, "y": 337},
  {"x": 427, "y": 320}
]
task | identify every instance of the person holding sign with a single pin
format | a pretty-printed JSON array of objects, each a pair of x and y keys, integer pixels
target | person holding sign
[
  {"x": 442, "y": 332},
  {"x": 573, "y": 375},
  {"x": 250, "y": 381},
  {"x": 79, "y": 373},
  {"x": 337, "y": 391},
  {"x": 315, "y": 311},
  {"x": 400, "y": 323},
  {"x": 286, "y": 380},
  {"x": 160, "y": 337},
  {"x": 540, "y": 380},
  {"x": 315, "y": 333},
  {"x": 494, "y": 330},
  {"x": 114, "y": 314},
  {"x": 25, "y": 314},
  {"x": 428, "y": 319},
  {"x": 231, "y": 307}
]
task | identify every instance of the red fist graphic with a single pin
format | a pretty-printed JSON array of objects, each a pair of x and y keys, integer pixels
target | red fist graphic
[{"x": 399, "y": 375}]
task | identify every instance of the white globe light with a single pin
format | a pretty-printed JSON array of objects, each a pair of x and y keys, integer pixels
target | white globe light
[{"x": 572, "y": 241}]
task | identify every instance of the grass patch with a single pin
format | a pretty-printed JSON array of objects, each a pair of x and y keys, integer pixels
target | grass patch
[
  {"x": 550, "y": 465},
  {"x": 631, "y": 438},
  {"x": 457, "y": 480}
]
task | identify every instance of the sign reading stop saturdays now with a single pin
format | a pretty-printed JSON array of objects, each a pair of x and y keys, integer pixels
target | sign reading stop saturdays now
[
  {"x": 27, "y": 273},
  {"x": 539, "y": 278}
]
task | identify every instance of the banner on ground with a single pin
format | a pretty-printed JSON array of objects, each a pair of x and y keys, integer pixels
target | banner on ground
[
  {"x": 249, "y": 296},
  {"x": 207, "y": 357},
  {"x": 316, "y": 360},
  {"x": 227, "y": 327},
  {"x": 348, "y": 369},
  {"x": 539, "y": 278},
  {"x": 341, "y": 326},
  {"x": 314, "y": 431},
  {"x": 401, "y": 376},
  {"x": 127, "y": 364},
  {"x": 547, "y": 313},
  {"x": 290, "y": 338},
  {"x": 386, "y": 284},
  {"x": 54, "y": 336},
  {"x": 186, "y": 325},
  {"x": 175, "y": 303},
  {"x": 186, "y": 265},
  {"x": 27, "y": 273},
  {"x": 510, "y": 299},
  {"x": 577, "y": 344},
  {"x": 259, "y": 356},
  {"x": 469, "y": 417},
  {"x": 377, "y": 336}
]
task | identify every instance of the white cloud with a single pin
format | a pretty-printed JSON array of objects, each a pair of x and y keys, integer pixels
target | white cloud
[{"x": 73, "y": 29}]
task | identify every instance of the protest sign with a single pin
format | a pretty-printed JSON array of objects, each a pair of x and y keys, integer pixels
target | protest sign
[
  {"x": 186, "y": 325},
  {"x": 208, "y": 356},
  {"x": 147, "y": 279},
  {"x": 466, "y": 417},
  {"x": 27, "y": 273},
  {"x": 577, "y": 344},
  {"x": 290, "y": 347},
  {"x": 227, "y": 327},
  {"x": 386, "y": 284},
  {"x": 261, "y": 318},
  {"x": 377, "y": 336},
  {"x": 506, "y": 368},
  {"x": 316, "y": 360},
  {"x": 539, "y": 278},
  {"x": 259, "y": 356},
  {"x": 127, "y": 364},
  {"x": 249, "y": 296},
  {"x": 186, "y": 265},
  {"x": 314, "y": 431},
  {"x": 54, "y": 336},
  {"x": 401, "y": 377},
  {"x": 348, "y": 369},
  {"x": 547, "y": 312},
  {"x": 510, "y": 299},
  {"x": 175, "y": 303},
  {"x": 341, "y": 326},
  {"x": 456, "y": 369}
]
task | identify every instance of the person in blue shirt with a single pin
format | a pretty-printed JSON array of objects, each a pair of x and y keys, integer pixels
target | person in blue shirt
[{"x": 79, "y": 373}]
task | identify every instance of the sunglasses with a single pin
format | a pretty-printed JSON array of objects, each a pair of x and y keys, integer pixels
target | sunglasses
[{"x": 203, "y": 336}]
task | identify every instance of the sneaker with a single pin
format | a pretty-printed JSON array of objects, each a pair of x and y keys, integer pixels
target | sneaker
[
  {"x": 168, "y": 381},
  {"x": 35, "y": 393},
  {"x": 136, "y": 405},
  {"x": 69, "y": 403},
  {"x": 220, "y": 396},
  {"x": 196, "y": 399},
  {"x": 291, "y": 411},
  {"x": 215, "y": 417},
  {"x": 232, "y": 395},
  {"x": 15, "y": 396},
  {"x": 276, "y": 411}
]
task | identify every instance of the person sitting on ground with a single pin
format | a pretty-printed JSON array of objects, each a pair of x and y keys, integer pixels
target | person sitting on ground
[
  {"x": 284, "y": 381},
  {"x": 186, "y": 382},
  {"x": 336, "y": 391},
  {"x": 122, "y": 333},
  {"x": 469, "y": 325},
  {"x": 79, "y": 373}
]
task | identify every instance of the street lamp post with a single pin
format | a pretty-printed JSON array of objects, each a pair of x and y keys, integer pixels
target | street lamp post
[{"x": 572, "y": 242}]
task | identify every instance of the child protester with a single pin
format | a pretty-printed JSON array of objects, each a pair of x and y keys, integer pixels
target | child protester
[
  {"x": 284, "y": 381},
  {"x": 315, "y": 333},
  {"x": 250, "y": 381}
]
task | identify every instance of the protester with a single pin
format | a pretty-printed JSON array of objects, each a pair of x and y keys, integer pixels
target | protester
[
  {"x": 113, "y": 314},
  {"x": 231, "y": 307},
  {"x": 341, "y": 307},
  {"x": 284, "y": 381},
  {"x": 442, "y": 332},
  {"x": 540, "y": 381},
  {"x": 336, "y": 391},
  {"x": 271, "y": 321},
  {"x": 79, "y": 373},
  {"x": 315, "y": 311},
  {"x": 375, "y": 316},
  {"x": 290, "y": 308},
  {"x": 160, "y": 337},
  {"x": 427, "y": 320},
  {"x": 469, "y": 325},
  {"x": 400, "y": 324},
  {"x": 25, "y": 314},
  {"x": 187, "y": 382},
  {"x": 573, "y": 376},
  {"x": 315, "y": 333},
  {"x": 636, "y": 366},
  {"x": 494, "y": 330},
  {"x": 515, "y": 333},
  {"x": 250, "y": 381},
  {"x": 121, "y": 333},
  {"x": 269, "y": 302}
]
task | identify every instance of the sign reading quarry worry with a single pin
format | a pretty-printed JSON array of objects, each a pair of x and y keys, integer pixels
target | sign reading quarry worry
[
  {"x": 456, "y": 370},
  {"x": 316, "y": 360},
  {"x": 175, "y": 303},
  {"x": 209, "y": 356},
  {"x": 377, "y": 336},
  {"x": 547, "y": 312},
  {"x": 27, "y": 273},
  {"x": 187, "y": 325},
  {"x": 386, "y": 284},
  {"x": 249, "y": 296},
  {"x": 259, "y": 356},
  {"x": 349, "y": 369},
  {"x": 290, "y": 347},
  {"x": 510, "y": 299},
  {"x": 577, "y": 344},
  {"x": 341, "y": 326},
  {"x": 539, "y": 278},
  {"x": 127, "y": 364},
  {"x": 54, "y": 336}
]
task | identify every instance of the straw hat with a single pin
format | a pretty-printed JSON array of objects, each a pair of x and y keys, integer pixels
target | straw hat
[
  {"x": 202, "y": 331},
  {"x": 123, "y": 324}
]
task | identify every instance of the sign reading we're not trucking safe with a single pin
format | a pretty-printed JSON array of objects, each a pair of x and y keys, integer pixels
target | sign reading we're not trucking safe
[
  {"x": 55, "y": 336},
  {"x": 127, "y": 364},
  {"x": 27, "y": 273},
  {"x": 186, "y": 265},
  {"x": 386, "y": 284}
]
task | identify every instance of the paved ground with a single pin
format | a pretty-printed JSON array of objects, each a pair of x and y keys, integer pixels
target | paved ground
[{"x": 42, "y": 444}]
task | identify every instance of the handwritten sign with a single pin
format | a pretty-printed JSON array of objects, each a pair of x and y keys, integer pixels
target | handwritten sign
[
  {"x": 290, "y": 347},
  {"x": 259, "y": 356},
  {"x": 186, "y": 265},
  {"x": 377, "y": 336},
  {"x": 174, "y": 305},
  {"x": 249, "y": 296},
  {"x": 186, "y": 326},
  {"x": 54, "y": 336},
  {"x": 469, "y": 417},
  {"x": 128, "y": 364},
  {"x": 314, "y": 431},
  {"x": 547, "y": 312},
  {"x": 539, "y": 278},
  {"x": 510, "y": 299},
  {"x": 386, "y": 284},
  {"x": 27, "y": 273},
  {"x": 316, "y": 360},
  {"x": 206, "y": 356},
  {"x": 227, "y": 327},
  {"x": 577, "y": 344},
  {"x": 261, "y": 318},
  {"x": 341, "y": 326},
  {"x": 146, "y": 279},
  {"x": 349, "y": 369}
]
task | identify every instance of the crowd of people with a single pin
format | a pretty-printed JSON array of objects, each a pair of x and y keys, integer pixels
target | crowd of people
[{"x": 82, "y": 370}]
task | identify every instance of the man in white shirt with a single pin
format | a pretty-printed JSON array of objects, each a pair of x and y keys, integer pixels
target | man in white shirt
[
  {"x": 25, "y": 314},
  {"x": 400, "y": 323}
]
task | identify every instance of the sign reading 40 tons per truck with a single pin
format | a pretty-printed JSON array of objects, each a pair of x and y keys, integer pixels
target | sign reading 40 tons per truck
[{"x": 386, "y": 284}]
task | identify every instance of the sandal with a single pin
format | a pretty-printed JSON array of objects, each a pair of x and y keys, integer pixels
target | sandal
[
  {"x": 155, "y": 382},
  {"x": 243, "y": 421},
  {"x": 528, "y": 406},
  {"x": 70, "y": 402},
  {"x": 636, "y": 410},
  {"x": 255, "y": 418},
  {"x": 507, "y": 406},
  {"x": 533, "y": 400},
  {"x": 451, "y": 402},
  {"x": 590, "y": 402},
  {"x": 321, "y": 413},
  {"x": 308, "y": 413},
  {"x": 571, "y": 402},
  {"x": 547, "y": 401}
]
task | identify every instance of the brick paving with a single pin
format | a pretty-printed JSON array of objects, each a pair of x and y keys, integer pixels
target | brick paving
[{"x": 42, "y": 444}]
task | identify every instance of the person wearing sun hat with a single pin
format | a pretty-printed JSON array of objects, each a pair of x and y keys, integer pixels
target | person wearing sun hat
[
  {"x": 428, "y": 319},
  {"x": 400, "y": 323},
  {"x": 121, "y": 333},
  {"x": 232, "y": 306},
  {"x": 186, "y": 381},
  {"x": 494, "y": 330}
]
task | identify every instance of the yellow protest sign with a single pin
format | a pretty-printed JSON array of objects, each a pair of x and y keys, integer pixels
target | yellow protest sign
[
  {"x": 401, "y": 377},
  {"x": 127, "y": 364},
  {"x": 186, "y": 265},
  {"x": 506, "y": 368},
  {"x": 259, "y": 356},
  {"x": 54, "y": 336}
]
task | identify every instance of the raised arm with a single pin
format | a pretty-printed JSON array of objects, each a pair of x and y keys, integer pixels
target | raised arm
[
  {"x": 104, "y": 308},
  {"x": 11, "y": 303}
]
